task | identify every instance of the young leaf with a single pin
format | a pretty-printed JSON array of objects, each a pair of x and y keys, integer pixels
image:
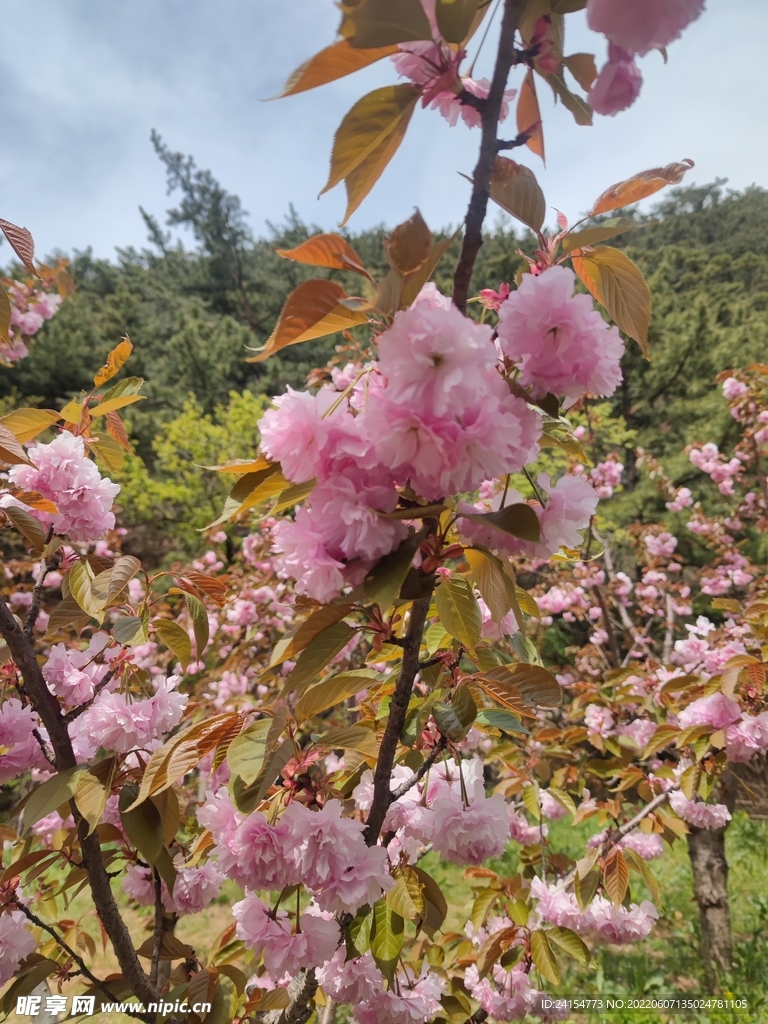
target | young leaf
[
  {"x": 482, "y": 906},
  {"x": 581, "y": 110},
  {"x": 80, "y": 579},
  {"x": 331, "y": 692},
  {"x": 535, "y": 684},
  {"x": 590, "y": 236},
  {"x": 515, "y": 189},
  {"x": 495, "y": 586},
  {"x": 458, "y": 610},
  {"x": 374, "y": 23},
  {"x": 359, "y": 181},
  {"x": 504, "y": 693},
  {"x": 367, "y": 125},
  {"x": 384, "y": 581},
  {"x": 529, "y": 116},
  {"x": 91, "y": 796},
  {"x": 11, "y": 451},
  {"x": 571, "y": 944},
  {"x": 643, "y": 867},
  {"x": 386, "y": 938},
  {"x": 582, "y": 67},
  {"x": 415, "y": 281},
  {"x": 436, "y": 905},
  {"x": 327, "y": 251},
  {"x": 640, "y": 186},
  {"x": 406, "y": 898},
  {"x": 616, "y": 876},
  {"x": 614, "y": 280},
  {"x": 356, "y": 737},
  {"x": 5, "y": 314},
  {"x": 248, "y": 751},
  {"x": 544, "y": 957},
  {"x": 455, "y": 19},
  {"x": 320, "y": 619},
  {"x": 200, "y": 624},
  {"x": 50, "y": 795},
  {"x": 519, "y": 519},
  {"x": 28, "y": 526},
  {"x": 175, "y": 639},
  {"x": 311, "y": 311},
  {"x": 116, "y": 359},
  {"x": 109, "y": 454},
  {"x": 317, "y": 654},
  {"x": 334, "y": 62},
  {"x": 26, "y": 424},
  {"x": 22, "y": 243},
  {"x": 409, "y": 244}
]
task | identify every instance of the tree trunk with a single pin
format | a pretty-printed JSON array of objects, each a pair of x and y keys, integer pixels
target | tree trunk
[{"x": 706, "y": 847}]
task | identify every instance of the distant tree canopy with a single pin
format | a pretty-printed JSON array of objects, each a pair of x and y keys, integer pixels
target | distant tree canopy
[{"x": 194, "y": 314}]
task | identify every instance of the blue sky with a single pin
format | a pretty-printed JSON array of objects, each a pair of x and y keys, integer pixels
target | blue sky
[{"x": 84, "y": 82}]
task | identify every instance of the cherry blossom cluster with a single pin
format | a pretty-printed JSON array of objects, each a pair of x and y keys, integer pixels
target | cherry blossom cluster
[
  {"x": 436, "y": 414},
  {"x": 62, "y": 473},
  {"x": 31, "y": 306},
  {"x": 633, "y": 30}
]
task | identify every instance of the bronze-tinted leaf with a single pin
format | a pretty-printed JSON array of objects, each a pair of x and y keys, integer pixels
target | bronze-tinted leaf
[
  {"x": 581, "y": 110},
  {"x": 22, "y": 243},
  {"x": 359, "y": 181},
  {"x": 11, "y": 451},
  {"x": 601, "y": 233},
  {"x": 616, "y": 876},
  {"x": 614, "y": 280},
  {"x": 116, "y": 359},
  {"x": 458, "y": 610},
  {"x": 415, "y": 282},
  {"x": 331, "y": 692},
  {"x": 409, "y": 244},
  {"x": 519, "y": 520},
  {"x": 641, "y": 185},
  {"x": 334, "y": 62},
  {"x": 515, "y": 189},
  {"x": 535, "y": 684},
  {"x": 326, "y": 251},
  {"x": 582, "y": 67},
  {"x": 529, "y": 115},
  {"x": 504, "y": 693},
  {"x": 367, "y": 126},
  {"x": 311, "y": 311},
  {"x": 28, "y": 526},
  {"x": 375, "y": 23},
  {"x": 5, "y": 313},
  {"x": 543, "y": 956}
]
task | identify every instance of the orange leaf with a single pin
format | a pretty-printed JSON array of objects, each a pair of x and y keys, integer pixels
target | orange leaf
[
  {"x": 613, "y": 279},
  {"x": 115, "y": 361},
  {"x": 326, "y": 251},
  {"x": 640, "y": 186},
  {"x": 505, "y": 694},
  {"x": 616, "y": 876},
  {"x": 582, "y": 67},
  {"x": 22, "y": 244},
  {"x": 528, "y": 115},
  {"x": 335, "y": 61},
  {"x": 408, "y": 246},
  {"x": 116, "y": 428},
  {"x": 312, "y": 310},
  {"x": 215, "y": 587},
  {"x": 34, "y": 499}
]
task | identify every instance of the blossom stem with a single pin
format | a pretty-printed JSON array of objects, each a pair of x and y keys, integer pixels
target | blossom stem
[
  {"x": 398, "y": 710},
  {"x": 506, "y": 57}
]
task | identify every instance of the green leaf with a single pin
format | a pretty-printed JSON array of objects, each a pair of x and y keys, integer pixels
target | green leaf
[
  {"x": 643, "y": 867},
  {"x": 296, "y": 641},
  {"x": 34, "y": 970},
  {"x": 142, "y": 825},
  {"x": 91, "y": 795},
  {"x": 26, "y": 424},
  {"x": 436, "y": 905},
  {"x": 64, "y": 614},
  {"x": 371, "y": 23},
  {"x": 406, "y": 897},
  {"x": 247, "y": 797},
  {"x": 571, "y": 944},
  {"x": 333, "y": 691},
  {"x": 458, "y": 610},
  {"x": 455, "y": 18},
  {"x": 108, "y": 452},
  {"x": 175, "y": 639},
  {"x": 129, "y": 630},
  {"x": 224, "y": 1002},
  {"x": 481, "y": 908},
  {"x": 49, "y": 795},
  {"x": 497, "y": 719},
  {"x": 544, "y": 957},
  {"x": 199, "y": 617},
  {"x": 384, "y": 582},
  {"x": 581, "y": 110},
  {"x": 531, "y": 800},
  {"x": 589, "y": 236},
  {"x": 359, "y": 930},
  {"x": 248, "y": 751},
  {"x": 321, "y": 650},
  {"x": 355, "y": 737},
  {"x": 80, "y": 579},
  {"x": 496, "y": 587},
  {"x": 519, "y": 520},
  {"x": 386, "y": 939}
]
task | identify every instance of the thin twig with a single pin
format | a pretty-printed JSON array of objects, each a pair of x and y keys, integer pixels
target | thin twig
[
  {"x": 101, "y": 685},
  {"x": 84, "y": 971},
  {"x": 612, "y": 641},
  {"x": 669, "y": 637},
  {"x": 37, "y": 593},
  {"x": 158, "y": 946},
  {"x": 421, "y": 771}
]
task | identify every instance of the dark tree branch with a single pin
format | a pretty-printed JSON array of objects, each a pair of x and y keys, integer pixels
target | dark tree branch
[
  {"x": 158, "y": 946},
  {"x": 519, "y": 140},
  {"x": 47, "y": 707},
  {"x": 398, "y": 710},
  {"x": 506, "y": 57},
  {"x": 37, "y": 593},
  {"x": 84, "y": 971}
]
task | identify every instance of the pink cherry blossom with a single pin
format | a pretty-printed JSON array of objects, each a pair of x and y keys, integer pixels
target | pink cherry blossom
[
  {"x": 642, "y": 27},
  {"x": 697, "y": 813},
  {"x": 599, "y": 720},
  {"x": 716, "y": 710},
  {"x": 551, "y": 807},
  {"x": 606, "y": 477},
  {"x": 747, "y": 737},
  {"x": 63, "y": 474},
  {"x": 647, "y": 846},
  {"x": 618, "y": 85},
  {"x": 560, "y": 342},
  {"x": 347, "y": 517},
  {"x": 16, "y": 943},
  {"x": 414, "y": 1002},
  {"x": 263, "y": 861},
  {"x": 572, "y": 503},
  {"x": 284, "y": 951},
  {"x": 556, "y": 904},
  {"x": 522, "y": 832},
  {"x": 470, "y": 835},
  {"x": 219, "y": 815},
  {"x": 72, "y": 674},
  {"x": 20, "y": 749},
  {"x": 508, "y": 997},
  {"x": 620, "y": 924},
  {"x": 116, "y": 723},
  {"x": 660, "y": 545},
  {"x": 683, "y": 499},
  {"x": 641, "y": 731},
  {"x": 734, "y": 389},
  {"x": 306, "y": 559},
  {"x": 350, "y": 981}
]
